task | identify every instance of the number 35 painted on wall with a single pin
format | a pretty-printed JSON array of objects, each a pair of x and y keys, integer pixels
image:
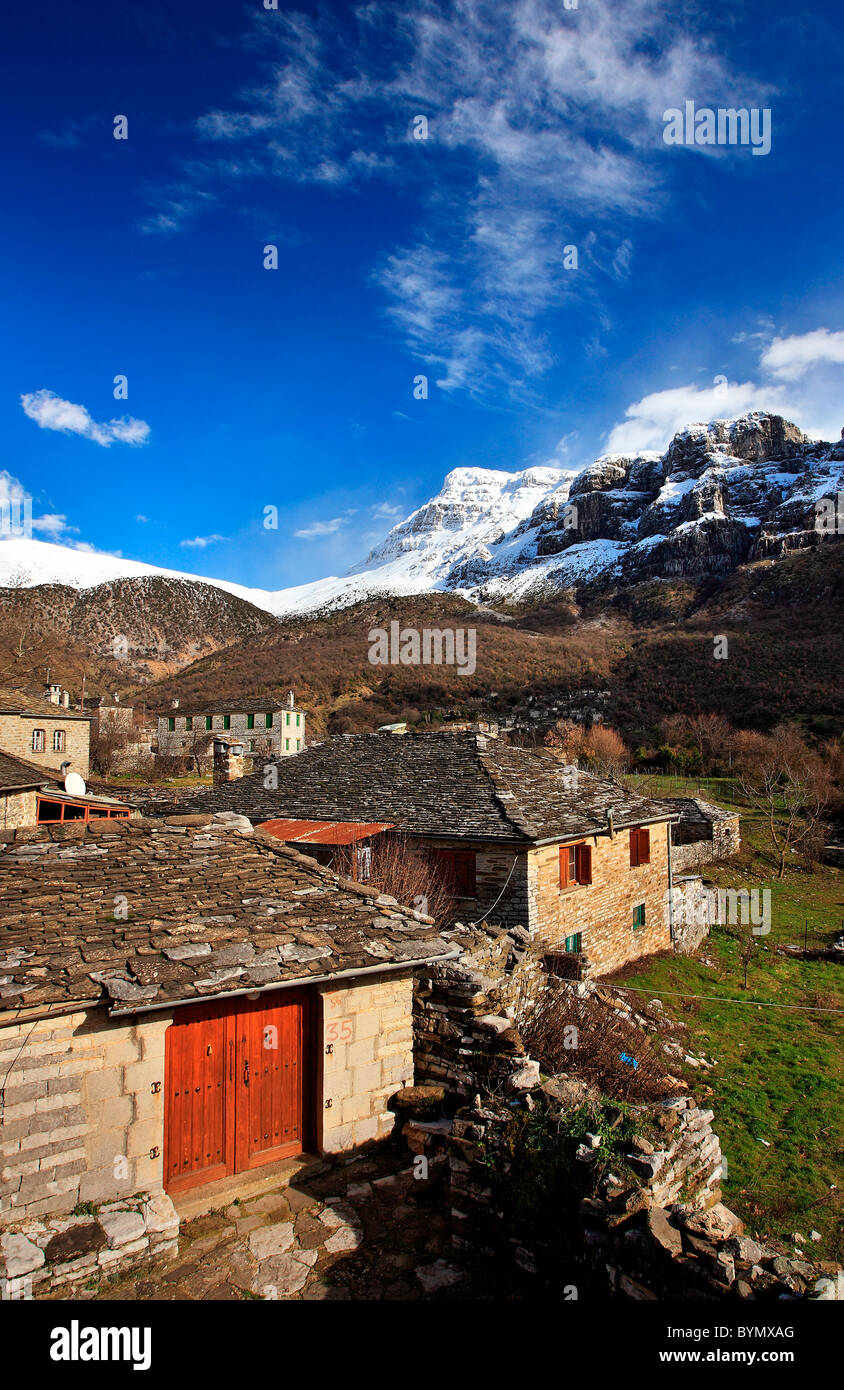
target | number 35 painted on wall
[{"x": 339, "y": 1031}]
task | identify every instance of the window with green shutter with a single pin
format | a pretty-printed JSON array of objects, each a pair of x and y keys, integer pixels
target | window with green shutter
[
  {"x": 209, "y": 721},
  {"x": 227, "y": 721},
  {"x": 171, "y": 723},
  {"x": 298, "y": 720},
  {"x": 638, "y": 916},
  {"x": 188, "y": 722},
  {"x": 287, "y": 745},
  {"x": 250, "y": 721},
  {"x": 268, "y": 721},
  {"x": 287, "y": 720},
  {"x": 573, "y": 944}
]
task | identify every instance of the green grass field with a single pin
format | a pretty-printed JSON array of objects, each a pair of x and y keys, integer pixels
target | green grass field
[{"x": 780, "y": 1069}]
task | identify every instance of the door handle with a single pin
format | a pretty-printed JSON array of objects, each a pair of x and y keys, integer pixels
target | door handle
[{"x": 246, "y": 1071}]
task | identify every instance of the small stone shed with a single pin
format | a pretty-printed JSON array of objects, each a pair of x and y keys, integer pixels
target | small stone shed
[
  {"x": 701, "y": 832},
  {"x": 182, "y": 1001}
]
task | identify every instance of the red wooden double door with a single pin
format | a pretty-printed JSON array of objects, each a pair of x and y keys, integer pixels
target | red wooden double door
[{"x": 235, "y": 1087}]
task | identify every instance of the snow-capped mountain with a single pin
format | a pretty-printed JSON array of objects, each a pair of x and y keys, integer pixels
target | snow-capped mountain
[{"x": 721, "y": 494}]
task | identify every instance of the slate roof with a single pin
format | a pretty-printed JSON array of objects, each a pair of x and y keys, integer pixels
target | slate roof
[
  {"x": 234, "y": 706},
  {"x": 17, "y": 774},
  {"x": 437, "y": 785},
  {"x": 23, "y": 702},
  {"x": 211, "y": 911},
  {"x": 694, "y": 810}
]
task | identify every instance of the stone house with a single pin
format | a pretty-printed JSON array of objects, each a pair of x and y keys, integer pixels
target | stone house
[
  {"x": 701, "y": 832},
  {"x": 30, "y": 796},
  {"x": 185, "y": 1001},
  {"x": 43, "y": 732},
  {"x": 523, "y": 839},
  {"x": 266, "y": 728}
]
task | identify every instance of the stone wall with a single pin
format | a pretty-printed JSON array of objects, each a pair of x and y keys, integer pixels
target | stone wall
[
  {"x": 17, "y": 809},
  {"x": 694, "y": 844},
  {"x": 80, "y": 1120},
  {"x": 630, "y": 1237},
  {"x": 40, "y": 1256},
  {"x": 692, "y": 914},
  {"x": 367, "y": 1027},
  {"x": 16, "y": 738},
  {"x": 464, "y": 1010}
]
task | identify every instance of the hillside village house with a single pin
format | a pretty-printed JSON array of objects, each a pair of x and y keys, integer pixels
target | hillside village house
[
  {"x": 524, "y": 840},
  {"x": 30, "y": 796},
  {"x": 183, "y": 1002},
  {"x": 266, "y": 728},
  {"x": 44, "y": 731}
]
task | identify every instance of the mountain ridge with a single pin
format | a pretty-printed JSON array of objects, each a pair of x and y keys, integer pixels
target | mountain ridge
[{"x": 721, "y": 494}]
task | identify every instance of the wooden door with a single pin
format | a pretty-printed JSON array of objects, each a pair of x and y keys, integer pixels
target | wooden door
[
  {"x": 235, "y": 1091},
  {"x": 196, "y": 1133},
  {"x": 269, "y": 1081}
]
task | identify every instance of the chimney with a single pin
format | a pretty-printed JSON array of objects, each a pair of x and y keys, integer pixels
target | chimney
[
  {"x": 175, "y": 704},
  {"x": 66, "y": 699},
  {"x": 291, "y": 699},
  {"x": 228, "y": 761},
  {"x": 116, "y": 698}
]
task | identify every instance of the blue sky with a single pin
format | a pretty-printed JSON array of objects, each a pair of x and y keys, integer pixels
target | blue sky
[{"x": 708, "y": 279}]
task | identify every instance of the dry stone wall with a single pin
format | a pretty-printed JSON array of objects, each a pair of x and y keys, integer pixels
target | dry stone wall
[{"x": 38, "y": 1257}]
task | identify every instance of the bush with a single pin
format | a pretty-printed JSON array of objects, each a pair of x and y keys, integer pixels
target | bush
[{"x": 585, "y": 1038}]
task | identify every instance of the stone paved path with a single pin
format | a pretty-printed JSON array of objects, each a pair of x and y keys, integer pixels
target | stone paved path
[{"x": 369, "y": 1230}]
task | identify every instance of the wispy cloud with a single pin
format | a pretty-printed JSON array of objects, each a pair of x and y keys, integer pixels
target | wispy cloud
[
  {"x": 173, "y": 208},
  {"x": 51, "y": 412},
  {"x": 386, "y": 512},
  {"x": 200, "y": 542},
  {"x": 319, "y": 528},
  {"x": 544, "y": 129}
]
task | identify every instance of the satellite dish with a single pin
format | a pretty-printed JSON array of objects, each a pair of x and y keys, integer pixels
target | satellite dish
[{"x": 74, "y": 785}]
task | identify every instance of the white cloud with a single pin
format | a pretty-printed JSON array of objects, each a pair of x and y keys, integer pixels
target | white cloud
[
  {"x": 142, "y": 519},
  {"x": 51, "y": 412},
  {"x": 200, "y": 542},
  {"x": 545, "y": 129},
  {"x": 386, "y": 512},
  {"x": 319, "y": 528},
  {"x": 801, "y": 377},
  {"x": 790, "y": 358}
]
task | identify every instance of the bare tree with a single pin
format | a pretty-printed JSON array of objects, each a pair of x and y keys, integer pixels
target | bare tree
[
  {"x": 791, "y": 788},
  {"x": 27, "y": 643}
]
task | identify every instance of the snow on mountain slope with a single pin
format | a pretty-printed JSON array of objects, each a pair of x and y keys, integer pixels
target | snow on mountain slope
[
  {"x": 29, "y": 562},
  {"x": 721, "y": 494}
]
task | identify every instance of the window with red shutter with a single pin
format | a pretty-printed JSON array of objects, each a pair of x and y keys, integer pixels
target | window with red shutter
[
  {"x": 584, "y": 864},
  {"x": 640, "y": 847},
  {"x": 458, "y": 866}
]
